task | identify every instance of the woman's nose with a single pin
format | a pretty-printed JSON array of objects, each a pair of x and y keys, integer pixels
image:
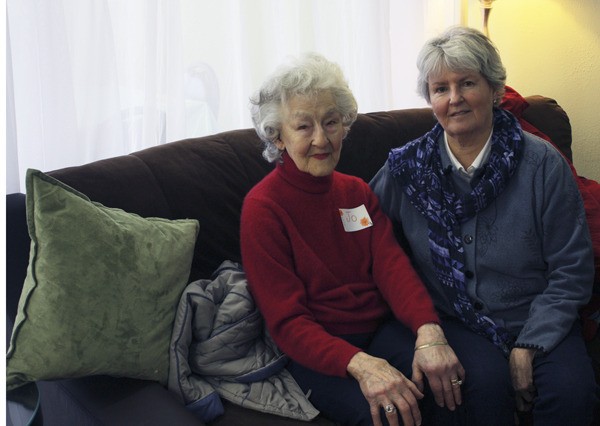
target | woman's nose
[
  {"x": 455, "y": 96},
  {"x": 321, "y": 138}
]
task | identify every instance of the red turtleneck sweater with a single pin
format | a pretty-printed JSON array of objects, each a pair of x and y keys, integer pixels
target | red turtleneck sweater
[{"x": 311, "y": 279}]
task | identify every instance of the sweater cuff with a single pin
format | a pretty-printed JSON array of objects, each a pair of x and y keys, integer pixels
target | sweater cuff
[
  {"x": 345, "y": 360},
  {"x": 539, "y": 350},
  {"x": 417, "y": 322}
]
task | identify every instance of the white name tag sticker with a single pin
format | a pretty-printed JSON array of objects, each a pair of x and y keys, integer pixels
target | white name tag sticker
[{"x": 355, "y": 219}]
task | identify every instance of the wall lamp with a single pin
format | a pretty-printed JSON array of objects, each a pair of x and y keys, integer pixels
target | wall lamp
[{"x": 487, "y": 9}]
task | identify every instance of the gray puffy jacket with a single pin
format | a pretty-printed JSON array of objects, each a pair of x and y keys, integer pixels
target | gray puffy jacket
[{"x": 220, "y": 348}]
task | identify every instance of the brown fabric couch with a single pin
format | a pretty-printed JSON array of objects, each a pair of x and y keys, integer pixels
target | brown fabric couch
[{"x": 206, "y": 179}]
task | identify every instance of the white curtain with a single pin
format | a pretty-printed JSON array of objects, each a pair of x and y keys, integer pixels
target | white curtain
[{"x": 92, "y": 79}]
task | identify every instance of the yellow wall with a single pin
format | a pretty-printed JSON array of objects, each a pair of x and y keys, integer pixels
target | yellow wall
[{"x": 552, "y": 48}]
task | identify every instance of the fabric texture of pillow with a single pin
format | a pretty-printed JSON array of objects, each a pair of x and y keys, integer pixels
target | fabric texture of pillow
[{"x": 101, "y": 291}]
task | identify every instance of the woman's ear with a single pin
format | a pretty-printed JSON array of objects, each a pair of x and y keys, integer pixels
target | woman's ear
[
  {"x": 279, "y": 144},
  {"x": 497, "y": 97}
]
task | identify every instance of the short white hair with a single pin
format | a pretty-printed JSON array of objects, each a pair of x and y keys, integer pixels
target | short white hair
[{"x": 307, "y": 75}]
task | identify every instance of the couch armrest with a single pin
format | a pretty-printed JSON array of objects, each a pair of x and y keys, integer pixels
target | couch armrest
[{"x": 17, "y": 252}]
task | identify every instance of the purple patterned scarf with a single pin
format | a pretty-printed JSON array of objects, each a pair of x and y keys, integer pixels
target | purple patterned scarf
[{"x": 418, "y": 166}]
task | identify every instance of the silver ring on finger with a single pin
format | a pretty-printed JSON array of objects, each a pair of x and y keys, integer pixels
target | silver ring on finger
[
  {"x": 389, "y": 408},
  {"x": 456, "y": 382}
]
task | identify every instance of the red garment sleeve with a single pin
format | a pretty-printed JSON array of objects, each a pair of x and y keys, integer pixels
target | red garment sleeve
[{"x": 397, "y": 280}]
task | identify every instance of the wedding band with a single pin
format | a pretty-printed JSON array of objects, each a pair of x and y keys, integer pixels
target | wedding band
[
  {"x": 389, "y": 408},
  {"x": 456, "y": 382}
]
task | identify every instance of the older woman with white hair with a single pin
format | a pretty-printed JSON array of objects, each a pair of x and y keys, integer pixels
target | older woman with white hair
[
  {"x": 498, "y": 233},
  {"x": 337, "y": 292}
]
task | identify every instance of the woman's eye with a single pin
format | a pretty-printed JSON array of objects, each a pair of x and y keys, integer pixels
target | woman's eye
[
  {"x": 468, "y": 83},
  {"x": 439, "y": 89}
]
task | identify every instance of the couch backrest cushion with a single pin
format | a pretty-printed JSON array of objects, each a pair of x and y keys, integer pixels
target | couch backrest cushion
[
  {"x": 551, "y": 119},
  {"x": 202, "y": 178},
  {"x": 207, "y": 178},
  {"x": 372, "y": 136}
]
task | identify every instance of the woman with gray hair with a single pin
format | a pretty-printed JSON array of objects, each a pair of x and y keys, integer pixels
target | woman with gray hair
[
  {"x": 507, "y": 261},
  {"x": 337, "y": 292}
]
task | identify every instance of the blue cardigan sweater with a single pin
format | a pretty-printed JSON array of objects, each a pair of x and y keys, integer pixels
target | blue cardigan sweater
[{"x": 529, "y": 256}]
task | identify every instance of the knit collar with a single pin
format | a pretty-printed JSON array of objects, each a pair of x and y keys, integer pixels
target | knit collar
[{"x": 303, "y": 180}]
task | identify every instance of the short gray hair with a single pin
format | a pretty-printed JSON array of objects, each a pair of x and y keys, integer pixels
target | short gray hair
[
  {"x": 307, "y": 75},
  {"x": 460, "y": 49}
]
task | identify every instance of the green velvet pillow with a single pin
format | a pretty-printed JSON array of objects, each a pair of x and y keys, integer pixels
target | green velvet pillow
[{"x": 101, "y": 291}]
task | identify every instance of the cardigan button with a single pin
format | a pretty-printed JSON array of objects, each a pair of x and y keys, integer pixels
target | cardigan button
[
  {"x": 469, "y": 274},
  {"x": 478, "y": 306},
  {"x": 468, "y": 239}
]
